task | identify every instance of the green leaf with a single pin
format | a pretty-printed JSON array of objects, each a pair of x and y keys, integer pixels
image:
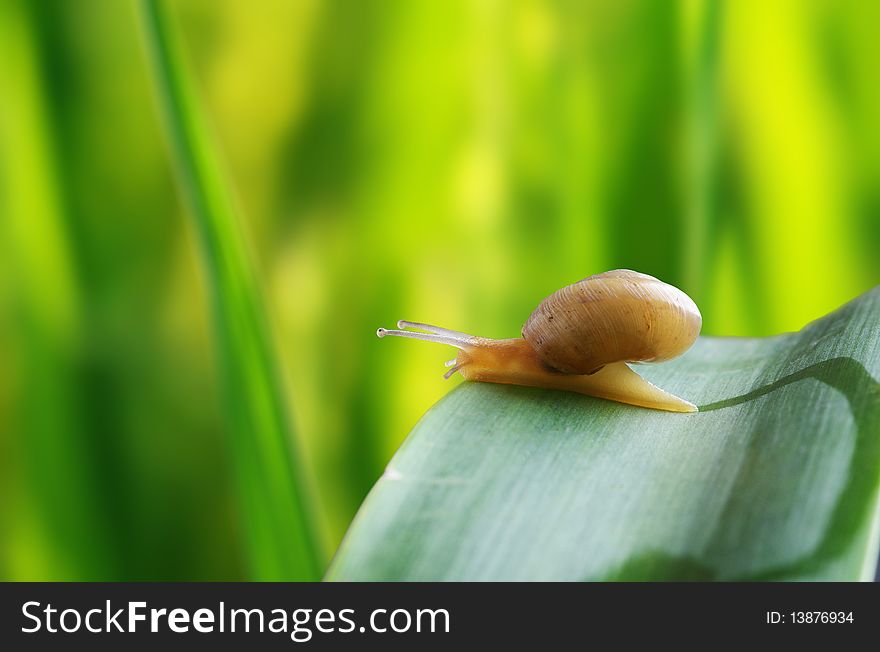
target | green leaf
[{"x": 776, "y": 478}]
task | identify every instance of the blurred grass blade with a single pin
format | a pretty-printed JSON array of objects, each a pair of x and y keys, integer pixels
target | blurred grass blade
[
  {"x": 776, "y": 478},
  {"x": 276, "y": 513},
  {"x": 702, "y": 147},
  {"x": 50, "y": 452}
]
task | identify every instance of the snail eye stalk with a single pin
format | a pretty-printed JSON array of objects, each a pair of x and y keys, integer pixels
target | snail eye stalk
[
  {"x": 438, "y": 330},
  {"x": 434, "y": 334}
]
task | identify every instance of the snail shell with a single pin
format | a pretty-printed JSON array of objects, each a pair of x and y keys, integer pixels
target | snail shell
[{"x": 619, "y": 315}]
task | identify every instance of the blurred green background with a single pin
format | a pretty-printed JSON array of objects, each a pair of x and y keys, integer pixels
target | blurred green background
[{"x": 449, "y": 162}]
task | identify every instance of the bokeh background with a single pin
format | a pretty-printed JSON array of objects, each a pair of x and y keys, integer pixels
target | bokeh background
[{"x": 449, "y": 162}]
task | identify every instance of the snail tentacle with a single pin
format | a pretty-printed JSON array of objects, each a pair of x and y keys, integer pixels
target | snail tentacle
[
  {"x": 437, "y": 330},
  {"x": 452, "y": 371},
  {"x": 427, "y": 337}
]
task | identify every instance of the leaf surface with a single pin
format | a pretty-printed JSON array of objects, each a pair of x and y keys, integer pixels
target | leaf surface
[{"x": 776, "y": 478}]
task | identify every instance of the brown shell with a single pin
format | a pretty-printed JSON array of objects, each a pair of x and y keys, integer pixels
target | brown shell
[{"x": 619, "y": 315}]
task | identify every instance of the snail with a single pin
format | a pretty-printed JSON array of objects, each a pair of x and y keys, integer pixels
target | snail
[{"x": 580, "y": 338}]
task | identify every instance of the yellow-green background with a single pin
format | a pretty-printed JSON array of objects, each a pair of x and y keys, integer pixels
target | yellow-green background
[{"x": 442, "y": 161}]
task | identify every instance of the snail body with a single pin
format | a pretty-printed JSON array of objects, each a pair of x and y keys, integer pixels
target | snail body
[{"x": 580, "y": 338}]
